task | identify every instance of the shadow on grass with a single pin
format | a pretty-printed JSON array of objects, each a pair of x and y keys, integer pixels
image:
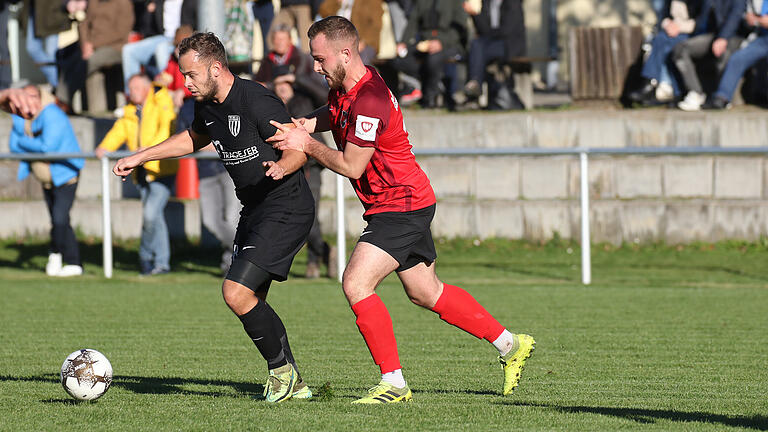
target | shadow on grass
[
  {"x": 65, "y": 401},
  {"x": 185, "y": 257},
  {"x": 453, "y": 391},
  {"x": 705, "y": 269},
  {"x": 646, "y": 416},
  {"x": 540, "y": 270},
  {"x": 174, "y": 385},
  {"x": 157, "y": 385}
]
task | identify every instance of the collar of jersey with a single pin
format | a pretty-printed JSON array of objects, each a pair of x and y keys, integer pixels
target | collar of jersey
[{"x": 366, "y": 77}]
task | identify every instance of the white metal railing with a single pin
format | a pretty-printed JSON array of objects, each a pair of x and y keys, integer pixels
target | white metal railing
[{"x": 583, "y": 153}]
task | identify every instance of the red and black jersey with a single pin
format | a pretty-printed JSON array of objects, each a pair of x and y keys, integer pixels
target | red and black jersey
[{"x": 368, "y": 115}]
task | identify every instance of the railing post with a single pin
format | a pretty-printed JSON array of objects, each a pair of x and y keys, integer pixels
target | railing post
[
  {"x": 14, "y": 39},
  {"x": 106, "y": 218},
  {"x": 586, "y": 264},
  {"x": 341, "y": 240}
]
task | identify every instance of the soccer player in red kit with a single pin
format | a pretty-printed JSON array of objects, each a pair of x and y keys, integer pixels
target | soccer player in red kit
[{"x": 375, "y": 154}]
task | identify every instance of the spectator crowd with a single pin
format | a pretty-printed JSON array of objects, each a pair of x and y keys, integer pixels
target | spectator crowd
[
  {"x": 437, "y": 53},
  {"x": 88, "y": 50},
  {"x": 701, "y": 52}
]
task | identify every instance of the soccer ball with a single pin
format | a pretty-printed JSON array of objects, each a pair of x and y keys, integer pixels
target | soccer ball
[{"x": 86, "y": 374}]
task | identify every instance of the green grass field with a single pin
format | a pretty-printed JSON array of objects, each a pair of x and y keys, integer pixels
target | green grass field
[{"x": 664, "y": 339}]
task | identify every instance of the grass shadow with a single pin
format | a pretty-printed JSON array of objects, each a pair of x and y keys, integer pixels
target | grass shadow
[
  {"x": 65, "y": 401},
  {"x": 174, "y": 385},
  {"x": 157, "y": 385},
  {"x": 454, "y": 391},
  {"x": 185, "y": 256},
  {"x": 649, "y": 416},
  {"x": 705, "y": 269}
]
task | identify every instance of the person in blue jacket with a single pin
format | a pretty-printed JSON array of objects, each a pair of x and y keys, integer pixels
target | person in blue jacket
[{"x": 49, "y": 131}]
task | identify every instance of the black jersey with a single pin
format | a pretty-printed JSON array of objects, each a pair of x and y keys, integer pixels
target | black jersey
[
  {"x": 277, "y": 214},
  {"x": 237, "y": 128}
]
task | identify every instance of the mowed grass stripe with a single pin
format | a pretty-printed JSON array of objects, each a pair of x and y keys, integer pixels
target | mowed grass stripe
[{"x": 664, "y": 339}]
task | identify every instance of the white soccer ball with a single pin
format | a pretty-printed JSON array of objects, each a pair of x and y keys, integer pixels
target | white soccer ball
[{"x": 86, "y": 374}]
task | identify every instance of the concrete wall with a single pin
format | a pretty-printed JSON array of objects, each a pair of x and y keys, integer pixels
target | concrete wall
[{"x": 634, "y": 198}]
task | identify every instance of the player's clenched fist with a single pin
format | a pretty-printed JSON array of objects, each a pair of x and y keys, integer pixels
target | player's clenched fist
[
  {"x": 289, "y": 136},
  {"x": 125, "y": 166}
]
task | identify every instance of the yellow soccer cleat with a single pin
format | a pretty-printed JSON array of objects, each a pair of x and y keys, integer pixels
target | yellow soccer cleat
[
  {"x": 301, "y": 390},
  {"x": 280, "y": 384},
  {"x": 385, "y": 392},
  {"x": 512, "y": 363}
]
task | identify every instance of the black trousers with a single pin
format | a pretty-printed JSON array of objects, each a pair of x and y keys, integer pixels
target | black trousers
[
  {"x": 428, "y": 67},
  {"x": 59, "y": 201},
  {"x": 317, "y": 248}
]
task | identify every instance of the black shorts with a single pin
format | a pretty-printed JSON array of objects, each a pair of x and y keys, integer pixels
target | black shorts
[
  {"x": 403, "y": 235},
  {"x": 272, "y": 232}
]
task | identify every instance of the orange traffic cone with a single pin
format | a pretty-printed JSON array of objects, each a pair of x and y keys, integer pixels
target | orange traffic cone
[{"x": 187, "y": 182}]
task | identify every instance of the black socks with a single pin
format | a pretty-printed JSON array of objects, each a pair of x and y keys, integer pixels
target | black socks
[
  {"x": 277, "y": 324},
  {"x": 260, "y": 325}
]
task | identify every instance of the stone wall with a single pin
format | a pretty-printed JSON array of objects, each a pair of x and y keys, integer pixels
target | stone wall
[{"x": 633, "y": 198}]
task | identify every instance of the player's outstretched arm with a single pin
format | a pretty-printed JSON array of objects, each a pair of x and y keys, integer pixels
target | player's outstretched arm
[
  {"x": 181, "y": 144},
  {"x": 289, "y": 163},
  {"x": 349, "y": 163}
]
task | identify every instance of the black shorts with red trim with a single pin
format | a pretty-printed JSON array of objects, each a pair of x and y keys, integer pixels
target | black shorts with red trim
[{"x": 405, "y": 236}]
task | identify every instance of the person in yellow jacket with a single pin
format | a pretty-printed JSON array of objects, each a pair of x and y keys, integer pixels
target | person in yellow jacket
[{"x": 147, "y": 121}]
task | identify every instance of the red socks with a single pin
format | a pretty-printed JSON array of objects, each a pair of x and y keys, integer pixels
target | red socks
[
  {"x": 457, "y": 307},
  {"x": 375, "y": 325}
]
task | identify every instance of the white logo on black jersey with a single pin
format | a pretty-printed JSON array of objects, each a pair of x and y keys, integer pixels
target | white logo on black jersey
[
  {"x": 219, "y": 148},
  {"x": 234, "y": 124}
]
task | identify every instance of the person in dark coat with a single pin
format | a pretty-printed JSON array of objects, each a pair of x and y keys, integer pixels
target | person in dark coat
[
  {"x": 500, "y": 27},
  {"x": 716, "y": 36},
  {"x": 435, "y": 35}
]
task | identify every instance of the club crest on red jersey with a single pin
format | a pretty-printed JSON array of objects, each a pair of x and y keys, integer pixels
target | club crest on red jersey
[
  {"x": 365, "y": 127},
  {"x": 344, "y": 116},
  {"x": 234, "y": 124}
]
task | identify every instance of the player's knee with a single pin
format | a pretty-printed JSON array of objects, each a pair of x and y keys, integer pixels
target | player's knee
[
  {"x": 417, "y": 300},
  {"x": 425, "y": 295},
  {"x": 237, "y": 298},
  {"x": 421, "y": 298},
  {"x": 354, "y": 292}
]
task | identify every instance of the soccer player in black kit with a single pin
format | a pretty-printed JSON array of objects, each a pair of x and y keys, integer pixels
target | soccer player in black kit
[{"x": 278, "y": 211}]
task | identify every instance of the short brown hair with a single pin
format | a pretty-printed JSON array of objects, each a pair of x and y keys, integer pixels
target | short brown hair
[
  {"x": 334, "y": 28},
  {"x": 207, "y": 46}
]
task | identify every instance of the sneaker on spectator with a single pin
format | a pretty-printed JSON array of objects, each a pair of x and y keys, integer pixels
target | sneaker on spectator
[
  {"x": 159, "y": 271},
  {"x": 472, "y": 89},
  {"x": 146, "y": 267},
  {"x": 645, "y": 94},
  {"x": 692, "y": 102},
  {"x": 411, "y": 97},
  {"x": 53, "y": 267},
  {"x": 717, "y": 103},
  {"x": 70, "y": 270},
  {"x": 665, "y": 92}
]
